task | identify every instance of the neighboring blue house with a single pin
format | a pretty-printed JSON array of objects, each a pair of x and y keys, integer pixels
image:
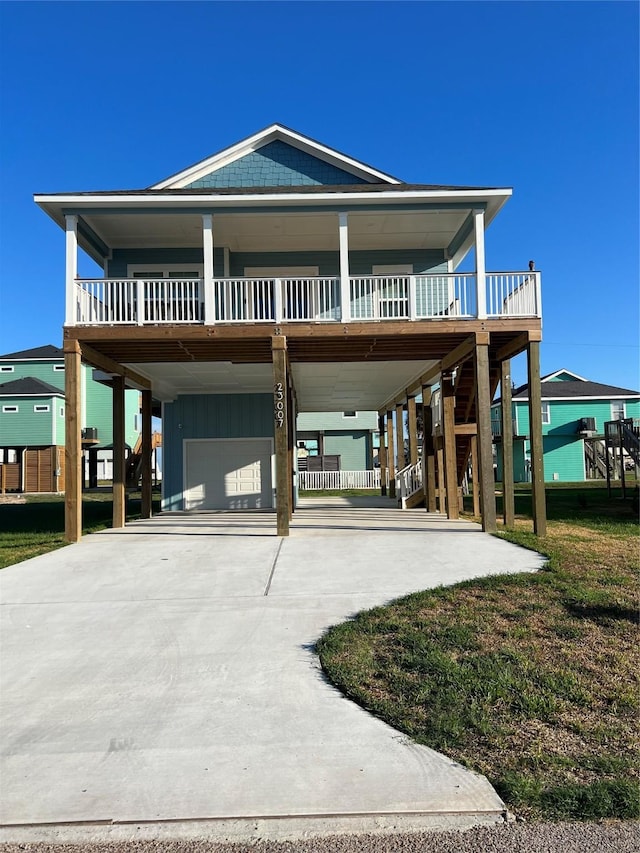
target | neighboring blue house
[
  {"x": 574, "y": 410},
  {"x": 337, "y": 441}
]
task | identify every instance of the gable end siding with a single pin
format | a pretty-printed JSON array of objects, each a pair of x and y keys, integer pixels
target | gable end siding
[{"x": 276, "y": 164}]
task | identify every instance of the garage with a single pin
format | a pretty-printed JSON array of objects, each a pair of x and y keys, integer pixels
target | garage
[{"x": 228, "y": 474}]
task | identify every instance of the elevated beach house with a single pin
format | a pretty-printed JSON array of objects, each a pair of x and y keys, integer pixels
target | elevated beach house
[{"x": 279, "y": 277}]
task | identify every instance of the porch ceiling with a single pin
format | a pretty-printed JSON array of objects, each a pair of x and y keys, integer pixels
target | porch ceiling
[
  {"x": 320, "y": 387},
  {"x": 277, "y": 232}
]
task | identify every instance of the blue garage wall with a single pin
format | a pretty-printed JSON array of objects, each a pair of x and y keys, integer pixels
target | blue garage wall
[{"x": 208, "y": 416}]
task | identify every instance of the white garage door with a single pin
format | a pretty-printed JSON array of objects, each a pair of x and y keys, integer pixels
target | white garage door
[{"x": 228, "y": 474}]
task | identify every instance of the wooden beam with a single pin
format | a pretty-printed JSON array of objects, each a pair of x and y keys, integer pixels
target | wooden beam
[
  {"x": 103, "y": 362},
  {"x": 73, "y": 442},
  {"x": 485, "y": 453},
  {"x": 466, "y": 429},
  {"x": 147, "y": 485},
  {"x": 518, "y": 345},
  {"x": 281, "y": 429},
  {"x": 461, "y": 353},
  {"x": 412, "y": 426},
  {"x": 382, "y": 455},
  {"x": 442, "y": 493},
  {"x": 119, "y": 486},
  {"x": 508, "y": 495},
  {"x": 450, "y": 461},
  {"x": 535, "y": 427},
  {"x": 390, "y": 454}
]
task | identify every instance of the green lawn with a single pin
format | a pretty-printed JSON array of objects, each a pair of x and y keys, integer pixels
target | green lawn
[
  {"x": 531, "y": 680},
  {"x": 37, "y": 526}
]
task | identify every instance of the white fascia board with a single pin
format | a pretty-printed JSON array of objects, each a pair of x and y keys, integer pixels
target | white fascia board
[
  {"x": 599, "y": 399},
  {"x": 34, "y": 394},
  {"x": 263, "y": 137},
  {"x": 497, "y": 199},
  {"x": 563, "y": 370},
  {"x": 53, "y": 204}
]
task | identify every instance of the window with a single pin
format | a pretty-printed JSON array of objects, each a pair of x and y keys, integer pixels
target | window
[
  {"x": 6, "y": 368},
  {"x": 617, "y": 410},
  {"x": 41, "y": 408},
  {"x": 9, "y": 410},
  {"x": 349, "y": 414},
  {"x": 58, "y": 368},
  {"x": 61, "y": 411},
  {"x": 546, "y": 414}
]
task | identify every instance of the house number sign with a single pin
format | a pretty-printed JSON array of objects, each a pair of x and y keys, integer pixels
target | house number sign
[{"x": 278, "y": 393}]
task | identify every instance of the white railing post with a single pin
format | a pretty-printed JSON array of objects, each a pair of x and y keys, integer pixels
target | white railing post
[
  {"x": 481, "y": 278},
  {"x": 413, "y": 300},
  {"x": 538, "y": 295},
  {"x": 71, "y": 237},
  {"x": 207, "y": 249},
  {"x": 278, "y": 304},
  {"x": 345, "y": 284},
  {"x": 140, "y": 301}
]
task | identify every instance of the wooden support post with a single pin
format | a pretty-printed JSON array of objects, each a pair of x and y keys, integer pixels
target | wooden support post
[
  {"x": 475, "y": 480},
  {"x": 3, "y": 478},
  {"x": 442, "y": 494},
  {"x": 400, "y": 436},
  {"x": 73, "y": 442},
  {"x": 382, "y": 455},
  {"x": 390, "y": 454},
  {"x": 147, "y": 485},
  {"x": 449, "y": 437},
  {"x": 428, "y": 453},
  {"x": 119, "y": 490},
  {"x": 535, "y": 429},
  {"x": 412, "y": 426},
  {"x": 508, "y": 496},
  {"x": 281, "y": 429},
  {"x": 485, "y": 453}
]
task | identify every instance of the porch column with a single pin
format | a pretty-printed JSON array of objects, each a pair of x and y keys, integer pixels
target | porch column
[
  {"x": 281, "y": 430},
  {"x": 400, "y": 436},
  {"x": 119, "y": 491},
  {"x": 481, "y": 278},
  {"x": 483, "y": 418},
  {"x": 442, "y": 502},
  {"x": 449, "y": 440},
  {"x": 412, "y": 426},
  {"x": 390, "y": 453},
  {"x": 428, "y": 453},
  {"x": 475, "y": 480},
  {"x": 345, "y": 287},
  {"x": 71, "y": 236},
  {"x": 535, "y": 429},
  {"x": 147, "y": 490},
  {"x": 382, "y": 455},
  {"x": 508, "y": 497},
  {"x": 207, "y": 254},
  {"x": 73, "y": 442}
]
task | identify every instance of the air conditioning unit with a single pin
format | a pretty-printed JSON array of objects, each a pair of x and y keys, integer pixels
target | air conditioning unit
[
  {"x": 90, "y": 434},
  {"x": 587, "y": 425}
]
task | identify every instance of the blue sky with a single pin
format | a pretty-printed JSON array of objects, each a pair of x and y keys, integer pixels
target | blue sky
[{"x": 542, "y": 97}]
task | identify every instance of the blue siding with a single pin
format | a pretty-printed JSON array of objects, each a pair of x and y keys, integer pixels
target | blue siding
[
  {"x": 360, "y": 262},
  {"x": 352, "y": 447},
  {"x": 208, "y": 416},
  {"x": 277, "y": 164}
]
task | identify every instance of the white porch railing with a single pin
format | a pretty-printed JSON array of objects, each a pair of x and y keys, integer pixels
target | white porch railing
[
  {"x": 408, "y": 482},
  {"x": 311, "y": 299},
  {"x": 315, "y": 480}
]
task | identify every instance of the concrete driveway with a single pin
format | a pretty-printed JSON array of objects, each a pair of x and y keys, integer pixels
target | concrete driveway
[{"x": 165, "y": 673}]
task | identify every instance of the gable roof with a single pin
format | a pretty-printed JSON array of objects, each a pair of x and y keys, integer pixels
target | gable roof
[
  {"x": 276, "y": 133},
  {"x": 29, "y": 386},
  {"x": 44, "y": 352},
  {"x": 580, "y": 390},
  {"x": 563, "y": 372}
]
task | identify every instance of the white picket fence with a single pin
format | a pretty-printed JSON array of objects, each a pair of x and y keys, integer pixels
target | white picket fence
[{"x": 315, "y": 480}]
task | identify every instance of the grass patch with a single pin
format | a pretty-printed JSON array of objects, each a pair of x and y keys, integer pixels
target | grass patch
[
  {"x": 37, "y": 526},
  {"x": 529, "y": 679}
]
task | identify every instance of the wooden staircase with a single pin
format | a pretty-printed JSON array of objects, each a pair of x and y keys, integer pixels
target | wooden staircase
[{"x": 133, "y": 467}]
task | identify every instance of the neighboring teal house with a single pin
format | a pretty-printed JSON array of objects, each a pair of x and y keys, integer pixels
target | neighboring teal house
[
  {"x": 32, "y": 420},
  {"x": 573, "y": 409},
  {"x": 337, "y": 441}
]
